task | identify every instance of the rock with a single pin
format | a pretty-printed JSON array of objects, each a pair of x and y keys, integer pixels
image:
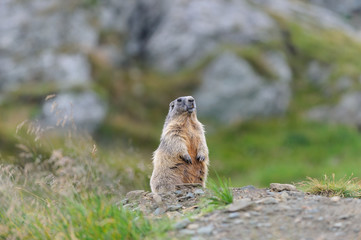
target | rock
[
  {"x": 234, "y": 215},
  {"x": 335, "y": 199},
  {"x": 248, "y": 188},
  {"x": 174, "y": 207},
  {"x": 114, "y": 15},
  {"x": 348, "y": 9},
  {"x": 346, "y": 216},
  {"x": 199, "y": 191},
  {"x": 305, "y": 14},
  {"x": 277, "y": 63},
  {"x": 338, "y": 225},
  {"x": 193, "y": 226},
  {"x": 190, "y": 31},
  {"x": 263, "y": 225},
  {"x": 187, "y": 232},
  {"x": 31, "y": 34},
  {"x": 67, "y": 70},
  {"x": 318, "y": 73},
  {"x": 85, "y": 110},
  {"x": 239, "y": 205},
  {"x": 206, "y": 229},
  {"x": 230, "y": 81},
  {"x": 134, "y": 195},
  {"x": 343, "y": 84},
  {"x": 347, "y": 110},
  {"x": 190, "y": 195},
  {"x": 278, "y": 187},
  {"x": 268, "y": 200},
  {"x": 182, "y": 224},
  {"x": 159, "y": 211},
  {"x": 174, "y": 215}
]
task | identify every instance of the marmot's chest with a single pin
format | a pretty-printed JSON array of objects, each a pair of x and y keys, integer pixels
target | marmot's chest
[{"x": 192, "y": 138}]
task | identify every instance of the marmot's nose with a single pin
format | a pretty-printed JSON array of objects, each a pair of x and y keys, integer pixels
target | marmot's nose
[{"x": 191, "y": 100}]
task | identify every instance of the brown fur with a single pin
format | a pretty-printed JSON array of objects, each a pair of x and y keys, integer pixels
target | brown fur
[{"x": 182, "y": 134}]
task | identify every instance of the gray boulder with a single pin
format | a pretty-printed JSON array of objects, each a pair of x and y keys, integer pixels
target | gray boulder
[
  {"x": 346, "y": 111},
  {"x": 191, "y": 30},
  {"x": 32, "y": 36},
  {"x": 231, "y": 90},
  {"x": 348, "y": 9},
  {"x": 318, "y": 73},
  {"x": 80, "y": 110},
  {"x": 307, "y": 14}
]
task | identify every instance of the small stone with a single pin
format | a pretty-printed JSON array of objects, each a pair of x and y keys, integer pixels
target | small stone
[
  {"x": 174, "y": 215},
  {"x": 190, "y": 195},
  {"x": 346, "y": 216},
  {"x": 182, "y": 224},
  {"x": 134, "y": 195},
  {"x": 196, "y": 238},
  {"x": 335, "y": 199},
  {"x": 178, "y": 193},
  {"x": 206, "y": 230},
  {"x": 249, "y": 187},
  {"x": 193, "y": 226},
  {"x": 238, "y": 221},
  {"x": 312, "y": 211},
  {"x": 187, "y": 232},
  {"x": 254, "y": 213},
  {"x": 268, "y": 200},
  {"x": 159, "y": 211},
  {"x": 239, "y": 205},
  {"x": 338, "y": 225},
  {"x": 199, "y": 191},
  {"x": 247, "y": 215},
  {"x": 320, "y": 219},
  {"x": 278, "y": 187},
  {"x": 262, "y": 225},
  {"x": 174, "y": 207},
  {"x": 284, "y": 195},
  {"x": 234, "y": 215}
]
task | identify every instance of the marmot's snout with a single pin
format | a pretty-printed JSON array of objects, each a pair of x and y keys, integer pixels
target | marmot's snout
[{"x": 190, "y": 104}]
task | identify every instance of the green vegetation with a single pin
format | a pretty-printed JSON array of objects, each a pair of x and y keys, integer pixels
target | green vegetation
[
  {"x": 330, "y": 186},
  {"x": 30, "y": 216},
  {"x": 71, "y": 192},
  {"x": 221, "y": 191},
  {"x": 282, "y": 150}
]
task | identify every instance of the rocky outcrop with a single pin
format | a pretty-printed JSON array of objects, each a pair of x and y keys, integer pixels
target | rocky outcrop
[
  {"x": 191, "y": 30},
  {"x": 277, "y": 212},
  {"x": 346, "y": 111},
  {"x": 51, "y": 41},
  {"x": 348, "y": 9},
  {"x": 231, "y": 90}
]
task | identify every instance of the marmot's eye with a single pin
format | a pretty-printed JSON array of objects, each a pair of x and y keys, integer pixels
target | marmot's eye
[
  {"x": 172, "y": 106},
  {"x": 179, "y": 100}
]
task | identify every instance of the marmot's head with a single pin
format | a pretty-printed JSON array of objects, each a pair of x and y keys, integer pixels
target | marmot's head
[{"x": 182, "y": 105}]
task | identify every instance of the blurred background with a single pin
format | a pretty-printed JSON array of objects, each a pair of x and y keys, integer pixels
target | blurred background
[{"x": 277, "y": 84}]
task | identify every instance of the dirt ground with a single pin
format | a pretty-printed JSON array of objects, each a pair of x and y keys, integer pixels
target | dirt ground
[{"x": 258, "y": 214}]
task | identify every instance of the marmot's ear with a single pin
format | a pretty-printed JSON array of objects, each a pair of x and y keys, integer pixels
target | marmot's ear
[{"x": 171, "y": 105}]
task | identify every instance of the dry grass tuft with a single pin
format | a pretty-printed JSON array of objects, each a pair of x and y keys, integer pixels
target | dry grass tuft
[{"x": 349, "y": 187}]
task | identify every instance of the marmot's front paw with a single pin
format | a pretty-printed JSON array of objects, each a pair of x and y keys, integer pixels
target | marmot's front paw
[
  {"x": 201, "y": 157},
  {"x": 186, "y": 158}
]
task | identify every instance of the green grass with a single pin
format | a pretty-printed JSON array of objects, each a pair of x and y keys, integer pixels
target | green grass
[
  {"x": 331, "y": 186},
  {"x": 81, "y": 217},
  {"x": 221, "y": 193},
  {"x": 282, "y": 150}
]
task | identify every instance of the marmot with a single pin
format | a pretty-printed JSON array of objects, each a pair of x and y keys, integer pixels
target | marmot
[{"x": 182, "y": 156}]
